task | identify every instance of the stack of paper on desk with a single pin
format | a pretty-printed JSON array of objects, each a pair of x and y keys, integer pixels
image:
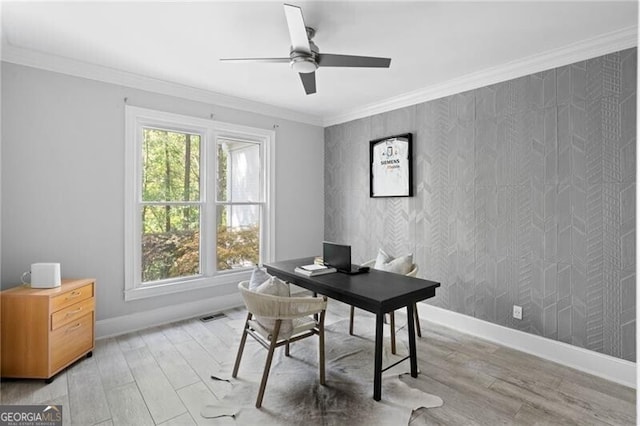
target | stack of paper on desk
[{"x": 314, "y": 270}]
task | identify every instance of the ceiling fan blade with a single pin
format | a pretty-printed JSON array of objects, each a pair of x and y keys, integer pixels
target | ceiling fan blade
[
  {"x": 331, "y": 60},
  {"x": 297, "y": 28},
  {"x": 256, "y": 60},
  {"x": 309, "y": 82}
]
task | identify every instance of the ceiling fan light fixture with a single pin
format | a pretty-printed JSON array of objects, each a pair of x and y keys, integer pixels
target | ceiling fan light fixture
[{"x": 303, "y": 65}]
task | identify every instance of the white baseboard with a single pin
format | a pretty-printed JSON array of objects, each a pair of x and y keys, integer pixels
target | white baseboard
[
  {"x": 140, "y": 320},
  {"x": 605, "y": 366}
]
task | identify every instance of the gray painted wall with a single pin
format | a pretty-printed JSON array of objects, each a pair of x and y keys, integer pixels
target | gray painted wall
[
  {"x": 63, "y": 180},
  {"x": 524, "y": 194}
]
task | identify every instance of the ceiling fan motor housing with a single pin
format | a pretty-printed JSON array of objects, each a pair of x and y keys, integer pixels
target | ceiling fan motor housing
[{"x": 305, "y": 62}]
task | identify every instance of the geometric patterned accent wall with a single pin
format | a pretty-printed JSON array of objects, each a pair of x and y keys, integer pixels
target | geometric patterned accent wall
[{"x": 524, "y": 194}]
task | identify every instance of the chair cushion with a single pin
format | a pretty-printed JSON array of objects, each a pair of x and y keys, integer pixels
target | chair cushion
[
  {"x": 275, "y": 287},
  {"x": 399, "y": 265},
  {"x": 299, "y": 325},
  {"x": 258, "y": 276}
]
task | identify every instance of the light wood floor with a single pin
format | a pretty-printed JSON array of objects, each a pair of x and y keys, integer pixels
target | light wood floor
[{"x": 161, "y": 376}]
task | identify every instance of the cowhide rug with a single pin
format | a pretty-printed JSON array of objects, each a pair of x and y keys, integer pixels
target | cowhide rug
[{"x": 294, "y": 395}]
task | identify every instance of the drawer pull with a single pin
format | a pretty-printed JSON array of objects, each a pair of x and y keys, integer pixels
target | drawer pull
[
  {"x": 72, "y": 313},
  {"x": 78, "y": 325},
  {"x": 74, "y": 294}
]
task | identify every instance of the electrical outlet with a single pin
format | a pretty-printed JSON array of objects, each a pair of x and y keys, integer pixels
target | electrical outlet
[{"x": 517, "y": 312}]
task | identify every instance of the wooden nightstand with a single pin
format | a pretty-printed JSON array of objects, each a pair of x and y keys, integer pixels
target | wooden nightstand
[{"x": 45, "y": 330}]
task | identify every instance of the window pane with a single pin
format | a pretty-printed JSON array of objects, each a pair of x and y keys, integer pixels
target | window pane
[
  {"x": 238, "y": 238},
  {"x": 170, "y": 242},
  {"x": 239, "y": 171},
  {"x": 170, "y": 166}
]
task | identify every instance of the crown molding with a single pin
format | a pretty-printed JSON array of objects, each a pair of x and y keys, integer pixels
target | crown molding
[
  {"x": 45, "y": 61},
  {"x": 601, "y": 45},
  {"x": 614, "y": 41}
]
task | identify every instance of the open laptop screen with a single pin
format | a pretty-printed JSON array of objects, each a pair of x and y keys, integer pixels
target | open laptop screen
[{"x": 337, "y": 255}]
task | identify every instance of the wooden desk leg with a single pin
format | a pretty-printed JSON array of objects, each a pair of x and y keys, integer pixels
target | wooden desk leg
[
  {"x": 412, "y": 341},
  {"x": 392, "y": 325},
  {"x": 377, "y": 369},
  {"x": 315, "y": 316},
  {"x": 351, "y": 312}
]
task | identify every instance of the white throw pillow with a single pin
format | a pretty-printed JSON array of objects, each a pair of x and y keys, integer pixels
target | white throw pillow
[
  {"x": 381, "y": 259},
  {"x": 400, "y": 265},
  {"x": 275, "y": 287},
  {"x": 258, "y": 276}
]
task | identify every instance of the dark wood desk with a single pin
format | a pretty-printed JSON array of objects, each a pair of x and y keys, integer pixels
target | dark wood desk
[{"x": 375, "y": 291}]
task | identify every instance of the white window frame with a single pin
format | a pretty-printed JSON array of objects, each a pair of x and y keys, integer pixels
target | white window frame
[{"x": 210, "y": 131}]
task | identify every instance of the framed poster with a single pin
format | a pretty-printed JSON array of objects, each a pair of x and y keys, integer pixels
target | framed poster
[{"x": 391, "y": 166}]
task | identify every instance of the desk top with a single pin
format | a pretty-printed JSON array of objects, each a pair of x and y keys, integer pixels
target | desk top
[{"x": 374, "y": 291}]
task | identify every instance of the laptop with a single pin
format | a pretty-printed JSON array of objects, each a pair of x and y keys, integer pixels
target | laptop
[{"x": 339, "y": 257}]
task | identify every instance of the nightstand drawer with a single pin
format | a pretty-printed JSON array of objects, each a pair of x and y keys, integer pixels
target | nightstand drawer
[
  {"x": 71, "y": 341},
  {"x": 68, "y": 314},
  {"x": 71, "y": 297}
]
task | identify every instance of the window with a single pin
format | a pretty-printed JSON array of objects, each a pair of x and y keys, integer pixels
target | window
[
  {"x": 170, "y": 204},
  {"x": 238, "y": 207},
  {"x": 197, "y": 205}
]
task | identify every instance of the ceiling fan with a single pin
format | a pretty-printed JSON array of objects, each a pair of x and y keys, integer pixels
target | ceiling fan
[{"x": 305, "y": 57}]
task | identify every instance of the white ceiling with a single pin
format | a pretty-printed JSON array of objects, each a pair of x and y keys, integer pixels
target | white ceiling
[{"x": 430, "y": 43}]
